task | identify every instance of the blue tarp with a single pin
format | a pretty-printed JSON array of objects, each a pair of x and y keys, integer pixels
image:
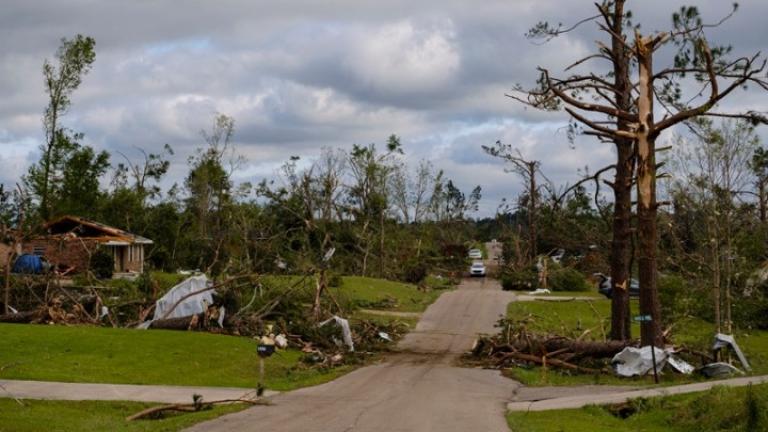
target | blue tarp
[{"x": 29, "y": 264}]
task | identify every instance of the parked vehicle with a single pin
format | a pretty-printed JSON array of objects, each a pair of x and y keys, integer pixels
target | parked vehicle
[
  {"x": 605, "y": 287},
  {"x": 477, "y": 269},
  {"x": 475, "y": 254}
]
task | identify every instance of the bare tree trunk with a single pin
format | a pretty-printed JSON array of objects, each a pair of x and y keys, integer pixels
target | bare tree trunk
[
  {"x": 620, "y": 244},
  {"x": 7, "y": 290},
  {"x": 761, "y": 199},
  {"x": 622, "y": 187},
  {"x": 381, "y": 246},
  {"x": 320, "y": 285},
  {"x": 728, "y": 273},
  {"x": 650, "y": 331},
  {"x": 532, "y": 235},
  {"x": 716, "y": 277}
]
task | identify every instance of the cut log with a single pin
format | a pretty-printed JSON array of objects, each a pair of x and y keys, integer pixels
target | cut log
[
  {"x": 20, "y": 317},
  {"x": 181, "y": 323},
  {"x": 551, "y": 362},
  {"x": 540, "y": 346}
]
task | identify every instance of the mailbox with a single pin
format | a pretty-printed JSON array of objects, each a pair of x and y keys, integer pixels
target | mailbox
[{"x": 265, "y": 350}]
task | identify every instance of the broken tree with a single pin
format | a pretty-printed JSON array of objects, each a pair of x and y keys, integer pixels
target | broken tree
[{"x": 591, "y": 101}]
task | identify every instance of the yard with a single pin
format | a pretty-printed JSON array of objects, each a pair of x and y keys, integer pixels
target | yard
[
  {"x": 68, "y": 416},
  {"x": 720, "y": 409},
  {"x": 128, "y": 356},
  {"x": 591, "y": 320}
]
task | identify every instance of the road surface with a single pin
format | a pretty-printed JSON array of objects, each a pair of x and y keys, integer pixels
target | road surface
[{"x": 417, "y": 389}]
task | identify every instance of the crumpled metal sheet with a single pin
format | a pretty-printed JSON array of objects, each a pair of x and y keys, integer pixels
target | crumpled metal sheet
[
  {"x": 346, "y": 332},
  {"x": 638, "y": 361},
  {"x": 724, "y": 340}
]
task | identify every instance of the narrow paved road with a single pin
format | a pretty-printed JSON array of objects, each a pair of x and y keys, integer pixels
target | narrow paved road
[{"x": 418, "y": 389}]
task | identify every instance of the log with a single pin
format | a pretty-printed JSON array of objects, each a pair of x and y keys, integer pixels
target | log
[
  {"x": 580, "y": 348},
  {"x": 550, "y": 361},
  {"x": 153, "y": 412},
  {"x": 19, "y": 318},
  {"x": 191, "y": 322},
  {"x": 182, "y": 323}
]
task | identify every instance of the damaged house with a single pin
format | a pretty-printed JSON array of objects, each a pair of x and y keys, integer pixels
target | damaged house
[{"x": 70, "y": 240}]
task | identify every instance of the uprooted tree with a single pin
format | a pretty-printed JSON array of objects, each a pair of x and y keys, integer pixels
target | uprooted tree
[{"x": 611, "y": 105}]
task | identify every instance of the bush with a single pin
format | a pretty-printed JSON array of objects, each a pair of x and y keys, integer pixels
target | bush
[
  {"x": 102, "y": 264},
  {"x": 415, "y": 273},
  {"x": 567, "y": 279},
  {"x": 673, "y": 296},
  {"x": 335, "y": 280},
  {"x": 523, "y": 280}
]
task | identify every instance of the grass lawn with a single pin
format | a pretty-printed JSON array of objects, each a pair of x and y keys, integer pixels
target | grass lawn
[
  {"x": 575, "y": 318},
  {"x": 591, "y": 293},
  {"x": 372, "y": 293},
  {"x": 367, "y": 292},
  {"x": 720, "y": 409},
  {"x": 76, "y": 416},
  {"x": 127, "y": 356}
]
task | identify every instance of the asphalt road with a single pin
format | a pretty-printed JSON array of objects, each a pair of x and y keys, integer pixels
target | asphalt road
[{"x": 417, "y": 389}]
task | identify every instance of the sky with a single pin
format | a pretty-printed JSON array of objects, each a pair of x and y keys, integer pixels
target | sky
[{"x": 301, "y": 75}]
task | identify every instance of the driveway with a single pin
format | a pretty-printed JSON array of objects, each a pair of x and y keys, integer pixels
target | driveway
[{"x": 417, "y": 389}]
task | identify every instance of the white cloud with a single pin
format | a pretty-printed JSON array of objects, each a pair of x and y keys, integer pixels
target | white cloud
[{"x": 403, "y": 57}]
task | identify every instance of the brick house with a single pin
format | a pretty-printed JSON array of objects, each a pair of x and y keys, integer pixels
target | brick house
[{"x": 70, "y": 240}]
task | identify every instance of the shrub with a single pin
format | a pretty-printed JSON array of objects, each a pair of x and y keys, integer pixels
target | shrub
[
  {"x": 415, "y": 273},
  {"x": 568, "y": 279},
  {"x": 672, "y": 296},
  {"x": 335, "y": 280},
  {"x": 102, "y": 264},
  {"x": 523, "y": 280}
]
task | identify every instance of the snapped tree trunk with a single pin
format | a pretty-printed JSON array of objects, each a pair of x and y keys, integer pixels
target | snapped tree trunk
[
  {"x": 761, "y": 199},
  {"x": 622, "y": 186},
  {"x": 532, "y": 212},
  {"x": 650, "y": 331},
  {"x": 620, "y": 244}
]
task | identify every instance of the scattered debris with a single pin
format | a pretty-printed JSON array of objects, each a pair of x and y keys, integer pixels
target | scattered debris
[
  {"x": 197, "y": 404},
  {"x": 719, "y": 370},
  {"x": 540, "y": 291},
  {"x": 281, "y": 341},
  {"x": 722, "y": 341},
  {"x": 345, "y": 331},
  {"x": 514, "y": 345},
  {"x": 639, "y": 361}
]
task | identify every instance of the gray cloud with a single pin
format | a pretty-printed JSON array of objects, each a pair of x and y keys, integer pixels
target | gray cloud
[{"x": 299, "y": 76}]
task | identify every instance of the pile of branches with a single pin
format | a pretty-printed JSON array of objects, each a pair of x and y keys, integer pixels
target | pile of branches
[
  {"x": 516, "y": 345},
  {"x": 59, "y": 309}
]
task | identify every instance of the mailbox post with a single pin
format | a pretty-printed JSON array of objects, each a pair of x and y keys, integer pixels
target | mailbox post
[{"x": 264, "y": 350}]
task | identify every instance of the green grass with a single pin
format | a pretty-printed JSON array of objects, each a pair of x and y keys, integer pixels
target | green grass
[
  {"x": 592, "y": 320},
  {"x": 719, "y": 409},
  {"x": 363, "y": 291},
  {"x": 371, "y": 293},
  {"x": 592, "y": 293},
  {"x": 127, "y": 356},
  {"x": 76, "y": 416},
  {"x": 568, "y": 318}
]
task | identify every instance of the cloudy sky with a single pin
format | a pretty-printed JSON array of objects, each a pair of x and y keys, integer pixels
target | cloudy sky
[{"x": 300, "y": 75}]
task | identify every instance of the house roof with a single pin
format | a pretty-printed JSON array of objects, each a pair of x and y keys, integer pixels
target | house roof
[{"x": 88, "y": 229}]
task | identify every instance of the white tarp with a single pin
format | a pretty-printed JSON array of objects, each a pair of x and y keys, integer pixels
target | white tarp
[
  {"x": 192, "y": 305},
  {"x": 345, "y": 330}
]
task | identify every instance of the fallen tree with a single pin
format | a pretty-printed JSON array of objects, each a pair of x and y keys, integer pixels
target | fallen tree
[{"x": 515, "y": 345}]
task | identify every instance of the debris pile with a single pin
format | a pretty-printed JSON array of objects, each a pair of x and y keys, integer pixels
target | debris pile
[{"x": 515, "y": 345}]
